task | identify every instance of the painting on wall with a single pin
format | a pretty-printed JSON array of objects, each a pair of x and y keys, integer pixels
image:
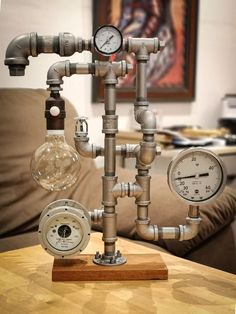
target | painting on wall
[{"x": 171, "y": 73}]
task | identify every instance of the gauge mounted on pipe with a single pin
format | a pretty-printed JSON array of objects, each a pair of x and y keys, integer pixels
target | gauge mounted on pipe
[
  {"x": 64, "y": 228},
  {"x": 196, "y": 175},
  {"x": 108, "y": 40}
]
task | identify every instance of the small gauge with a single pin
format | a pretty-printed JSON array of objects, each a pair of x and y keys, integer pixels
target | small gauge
[
  {"x": 196, "y": 175},
  {"x": 64, "y": 228},
  {"x": 108, "y": 40}
]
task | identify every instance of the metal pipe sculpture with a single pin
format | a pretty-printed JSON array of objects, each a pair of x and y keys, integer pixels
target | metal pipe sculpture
[{"x": 64, "y": 242}]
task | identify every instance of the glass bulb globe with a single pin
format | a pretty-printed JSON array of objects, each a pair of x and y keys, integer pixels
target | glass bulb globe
[{"x": 55, "y": 165}]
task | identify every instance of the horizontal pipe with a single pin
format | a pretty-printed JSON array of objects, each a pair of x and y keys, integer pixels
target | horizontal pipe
[
  {"x": 64, "y": 68},
  {"x": 25, "y": 45},
  {"x": 151, "y": 232}
]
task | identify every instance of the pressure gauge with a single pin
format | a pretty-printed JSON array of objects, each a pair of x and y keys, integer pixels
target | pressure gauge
[
  {"x": 108, "y": 40},
  {"x": 196, "y": 175},
  {"x": 64, "y": 228}
]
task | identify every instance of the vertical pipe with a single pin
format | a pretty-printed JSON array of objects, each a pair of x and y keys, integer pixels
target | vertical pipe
[
  {"x": 110, "y": 140},
  {"x": 109, "y": 179},
  {"x": 110, "y": 98},
  {"x": 141, "y": 89},
  {"x": 143, "y": 177}
]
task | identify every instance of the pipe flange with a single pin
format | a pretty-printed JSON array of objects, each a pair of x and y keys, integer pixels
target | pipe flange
[{"x": 102, "y": 259}]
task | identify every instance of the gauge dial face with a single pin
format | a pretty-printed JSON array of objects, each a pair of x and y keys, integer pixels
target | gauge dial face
[
  {"x": 108, "y": 40},
  {"x": 64, "y": 228},
  {"x": 196, "y": 175},
  {"x": 64, "y": 232}
]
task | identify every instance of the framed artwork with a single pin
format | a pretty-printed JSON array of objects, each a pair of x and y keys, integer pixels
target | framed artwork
[{"x": 171, "y": 73}]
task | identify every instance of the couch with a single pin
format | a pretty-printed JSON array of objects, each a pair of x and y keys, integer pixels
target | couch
[{"x": 22, "y": 130}]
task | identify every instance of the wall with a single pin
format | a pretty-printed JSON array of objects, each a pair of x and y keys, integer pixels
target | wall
[{"x": 216, "y": 65}]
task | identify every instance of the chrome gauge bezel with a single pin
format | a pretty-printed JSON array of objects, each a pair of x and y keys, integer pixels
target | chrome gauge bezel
[
  {"x": 184, "y": 153},
  {"x": 55, "y": 210},
  {"x": 97, "y": 34}
]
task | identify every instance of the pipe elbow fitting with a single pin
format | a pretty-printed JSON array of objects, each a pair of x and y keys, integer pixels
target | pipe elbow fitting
[
  {"x": 146, "y": 118},
  {"x": 57, "y": 71},
  {"x": 146, "y": 231},
  {"x": 18, "y": 51},
  {"x": 190, "y": 229},
  {"x": 85, "y": 149}
]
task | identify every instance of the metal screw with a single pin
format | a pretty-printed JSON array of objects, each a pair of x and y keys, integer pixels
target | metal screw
[
  {"x": 112, "y": 260},
  {"x": 118, "y": 253},
  {"x": 97, "y": 255}
]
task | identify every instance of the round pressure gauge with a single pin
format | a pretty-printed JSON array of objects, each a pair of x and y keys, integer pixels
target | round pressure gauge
[
  {"x": 196, "y": 175},
  {"x": 108, "y": 40},
  {"x": 64, "y": 228}
]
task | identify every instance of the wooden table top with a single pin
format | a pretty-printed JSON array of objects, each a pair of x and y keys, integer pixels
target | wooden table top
[{"x": 26, "y": 287}]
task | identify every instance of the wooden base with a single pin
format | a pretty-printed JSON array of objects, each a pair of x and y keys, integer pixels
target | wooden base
[{"x": 137, "y": 267}]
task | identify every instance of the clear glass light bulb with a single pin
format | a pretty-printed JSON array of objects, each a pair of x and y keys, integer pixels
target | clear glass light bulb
[{"x": 55, "y": 165}]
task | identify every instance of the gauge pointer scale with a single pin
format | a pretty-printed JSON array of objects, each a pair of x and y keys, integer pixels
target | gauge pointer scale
[
  {"x": 107, "y": 41},
  {"x": 206, "y": 174},
  {"x": 193, "y": 185}
]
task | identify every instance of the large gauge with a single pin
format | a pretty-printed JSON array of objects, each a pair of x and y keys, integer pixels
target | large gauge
[
  {"x": 108, "y": 40},
  {"x": 64, "y": 228},
  {"x": 196, "y": 175}
]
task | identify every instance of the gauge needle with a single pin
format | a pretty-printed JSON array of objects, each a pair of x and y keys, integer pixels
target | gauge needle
[
  {"x": 205, "y": 174},
  {"x": 107, "y": 41}
]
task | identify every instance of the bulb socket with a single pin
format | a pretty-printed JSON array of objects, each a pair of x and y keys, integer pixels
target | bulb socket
[{"x": 55, "y": 122}]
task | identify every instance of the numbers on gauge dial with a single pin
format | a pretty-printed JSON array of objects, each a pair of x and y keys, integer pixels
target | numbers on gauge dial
[
  {"x": 197, "y": 176},
  {"x": 108, "y": 40},
  {"x": 64, "y": 233}
]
